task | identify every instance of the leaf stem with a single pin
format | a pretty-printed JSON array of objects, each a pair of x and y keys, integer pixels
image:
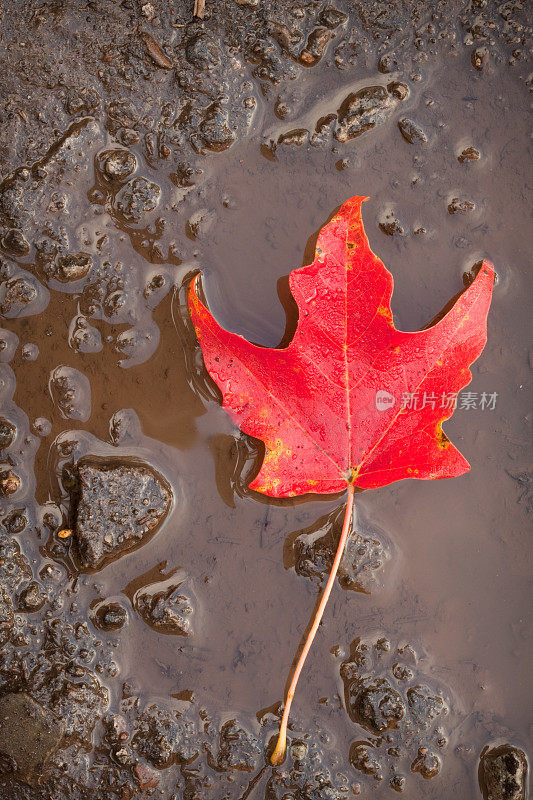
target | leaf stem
[{"x": 279, "y": 752}]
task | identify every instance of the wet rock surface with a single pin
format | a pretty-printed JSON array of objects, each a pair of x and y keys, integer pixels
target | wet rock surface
[
  {"x": 110, "y": 616},
  {"x": 238, "y": 749},
  {"x": 28, "y": 736},
  {"x": 412, "y": 132},
  {"x": 7, "y": 433},
  {"x": 71, "y": 393},
  {"x": 367, "y": 551},
  {"x": 404, "y": 716},
  {"x": 376, "y": 705},
  {"x": 118, "y": 506},
  {"x": 503, "y": 773},
  {"x": 362, "y": 111},
  {"x": 168, "y": 609},
  {"x": 164, "y": 736},
  {"x": 137, "y": 197}
]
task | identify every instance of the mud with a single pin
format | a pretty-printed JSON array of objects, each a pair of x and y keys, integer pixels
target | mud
[{"x": 138, "y": 145}]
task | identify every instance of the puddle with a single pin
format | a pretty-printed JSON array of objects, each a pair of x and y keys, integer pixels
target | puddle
[{"x": 223, "y": 146}]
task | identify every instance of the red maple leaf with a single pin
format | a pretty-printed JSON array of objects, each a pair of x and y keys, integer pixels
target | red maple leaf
[
  {"x": 331, "y": 407},
  {"x": 315, "y": 403}
]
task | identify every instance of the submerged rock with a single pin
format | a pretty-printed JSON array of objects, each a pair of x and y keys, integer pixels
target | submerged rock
[
  {"x": 7, "y": 617},
  {"x": 137, "y": 197},
  {"x": 362, "y": 757},
  {"x": 468, "y": 154},
  {"x": 71, "y": 393},
  {"x": 110, "y": 617},
  {"x": 377, "y": 706},
  {"x": 73, "y": 267},
  {"x": 31, "y": 598},
  {"x": 362, "y": 562},
  {"x": 29, "y": 734},
  {"x": 424, "y": 705},
  {"x": 164, "y": 736},
  {"x": 238, "y": 749},
  {"x": 412, "y": 132},
  {"x": 406, "y": 716},
  {"x": 168, "y": 611},
  {"x": 503, "y": 773},
  {"x": 119, "y": 506},
  {"x": 7, "y": 433},
  {"x": 426, "y": 763},
  {"x": 17, "y": 295},
  {"x": 16, "y": 243},
  {"x": 117, "y": 164}
]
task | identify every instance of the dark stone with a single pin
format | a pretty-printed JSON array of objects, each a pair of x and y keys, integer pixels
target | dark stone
[
  {"x": 238, "y": 749},
  {"x": 120, "y": 505},
  {"x": 391, "y": 226},
  {"x": 29, "y": 734},
  {"x": 503, "y": 773},
  {"x": 73, "y": 267},
  {"x": 411, "y": 131},
  {"x": 377, "y": 706},
  {"x": 7, "y": 433},
  {"x": 16, "y": 521}
]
